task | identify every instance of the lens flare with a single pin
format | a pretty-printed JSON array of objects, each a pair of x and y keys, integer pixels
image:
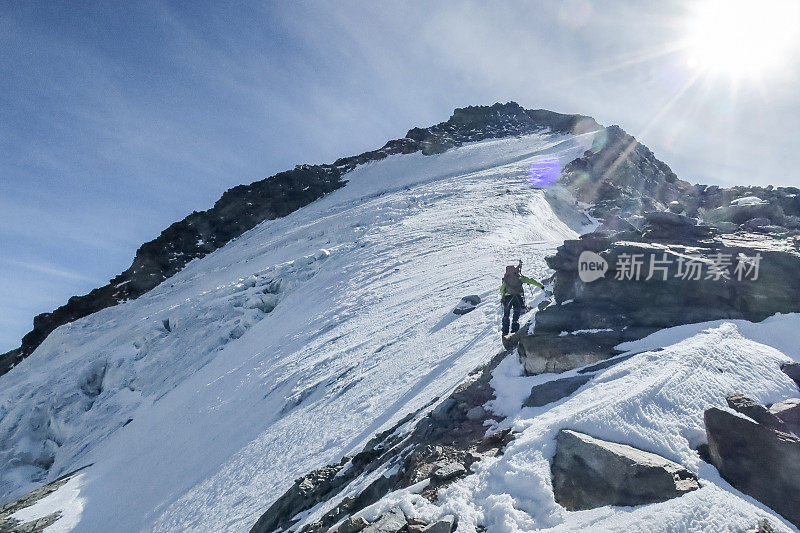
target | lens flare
[{"x": 544, "y": 172}]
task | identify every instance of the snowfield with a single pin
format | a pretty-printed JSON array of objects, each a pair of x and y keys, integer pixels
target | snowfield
[{"x": 199, "y": 403}]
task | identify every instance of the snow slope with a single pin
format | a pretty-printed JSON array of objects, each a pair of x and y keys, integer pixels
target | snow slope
[{"x": 200, "y": 402}]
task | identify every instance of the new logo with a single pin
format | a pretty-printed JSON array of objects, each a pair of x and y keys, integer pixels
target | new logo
[{"x": 591, "y": 266}]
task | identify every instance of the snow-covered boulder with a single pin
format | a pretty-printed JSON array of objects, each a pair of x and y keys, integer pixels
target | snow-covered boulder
[
  {"x": 467, "y": 304},
  {"x": 589, "y": 473},
  {"x": 748, "y": 200}
]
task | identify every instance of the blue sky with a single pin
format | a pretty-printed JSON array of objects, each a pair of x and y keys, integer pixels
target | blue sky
[{"x": 118, "y": 118}]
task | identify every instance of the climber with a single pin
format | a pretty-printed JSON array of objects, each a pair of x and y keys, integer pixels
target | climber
[{"x": 512, "y": 295}]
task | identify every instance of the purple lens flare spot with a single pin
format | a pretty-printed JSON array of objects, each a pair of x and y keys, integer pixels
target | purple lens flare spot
[{"x": 544, "y": 172}]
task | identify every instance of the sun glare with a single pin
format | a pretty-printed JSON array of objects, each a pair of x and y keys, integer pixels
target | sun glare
[{"x": 743, "y": 38}]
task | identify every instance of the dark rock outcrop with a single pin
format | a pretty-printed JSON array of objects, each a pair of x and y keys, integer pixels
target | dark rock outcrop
[
  {"x": 245, "y": 206},
  {"x": 622, "y": 177},
  {"x": 391, "y": 522},
  {"x": 630, "y": 302},
  {"x": 757, "y": 460},
  {"x": 552, "y": 391},
  {"x": 445, "y": 525},
  {"x": 589, "y": 473},
  {"x": 752, "y": 409},
  {"x": 353, "y": 524},
  {"x": 792, "y": 370},
  {"x": 788, "y": 411}
]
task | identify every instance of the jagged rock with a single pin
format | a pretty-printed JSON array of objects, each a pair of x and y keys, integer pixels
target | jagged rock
[
  {"x": 789, "y": 412},
  {"x": 739, "y": 214},
  {"x": 756, "y": 411},
  {"x": 449, "y": 471},
  {"x": 620, "y": 176},
  {"x": 391, "y": 522},
  {"x": 673, "y": 227},
  {"x": 609, "y": 310},
  {"x": 613, "y": 224},
  {"x": 755, "y": 224},
  {"x": 589, "y": 473},
  {"x": 443, "y": 525},
  {"x": 763, "y": 526},
  {"x": 676, "y": 207},
  {"x": 38, "y": 525},
  {"x": 467, "y": 304},
  {"x": 476, "y": 413},
  {"x": 757, "y": 460},
  {"x": 555, "y": 353},
  {"x": 726, "y": 227},
  {"x": 552, "y": 391},
  {"x": 792, "y": 370},
  {"x": 442, "y": 411},
  {"x": 354, "y": 524}
]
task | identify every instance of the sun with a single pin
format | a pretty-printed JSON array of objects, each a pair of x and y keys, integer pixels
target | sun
[{"x": 743, "y": 38}]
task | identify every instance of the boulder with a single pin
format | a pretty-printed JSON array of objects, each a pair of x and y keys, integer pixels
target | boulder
[
  {"x": 589, "y": 473},
  {"x": 789, "y": 412},
  {"x": 756, "y": 411},
  {"x": 552, "y": 391},
  {"x": 476, "y": 413},
  {"x": 671, "y": 226},
  {"x": 467, "y": 304},
  {"x": 739, "y": 214},
  {"x": 756, "y": 459},
  {"x": 391, "y": 522},
  {"x": 449, "y": 471},
  {"x": 792, "y": 370},
  {"x": 443, "y": 525},
  {"x": 676, "y": 207},
  {"x": 754, "y": 224},
  {"x": 354, "y": 524}
]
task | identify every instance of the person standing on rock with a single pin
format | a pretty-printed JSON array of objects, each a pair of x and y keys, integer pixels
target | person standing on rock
[{"x": 512, "y": 295}]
